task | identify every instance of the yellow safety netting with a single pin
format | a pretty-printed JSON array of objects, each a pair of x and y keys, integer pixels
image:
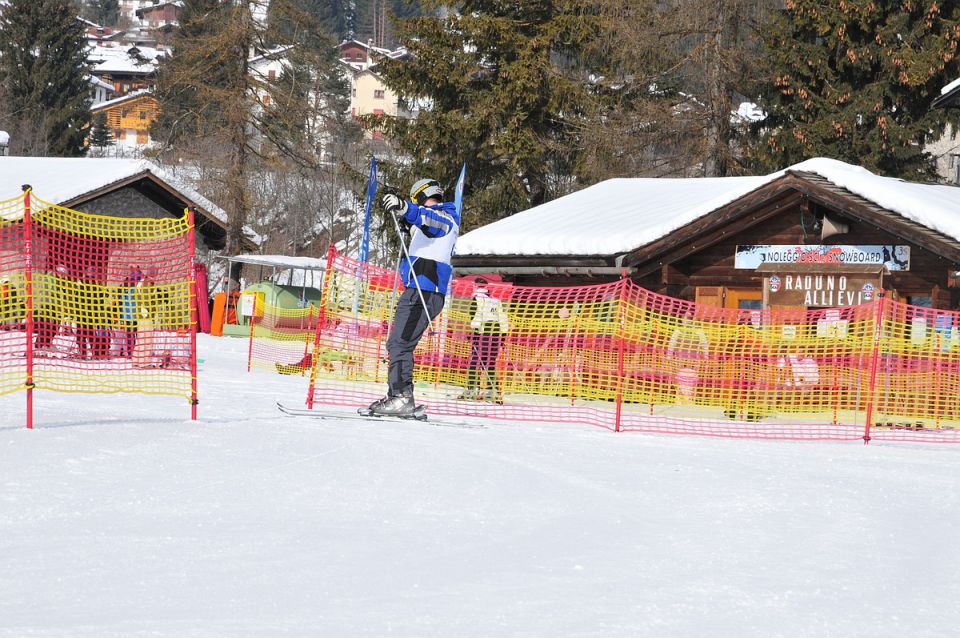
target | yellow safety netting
[{"x": 619, "y": 356}]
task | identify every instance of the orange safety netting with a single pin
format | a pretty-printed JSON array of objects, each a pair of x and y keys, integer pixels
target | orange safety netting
[
  {"x": 620, "y": 357},
  {"x": 93, "y": 303}
]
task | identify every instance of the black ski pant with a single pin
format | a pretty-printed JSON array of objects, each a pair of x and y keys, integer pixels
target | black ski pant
[{"x": 409, "y": 322}]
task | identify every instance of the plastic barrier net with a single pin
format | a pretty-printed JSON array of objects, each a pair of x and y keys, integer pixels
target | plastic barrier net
[
  {"x": 92, "y": 303},
  {"x": 281, "y": 339},
  {"x": 620, "y": 357}
]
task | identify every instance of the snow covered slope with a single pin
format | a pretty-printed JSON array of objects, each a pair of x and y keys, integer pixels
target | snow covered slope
[{"x": 120, "y": 517}]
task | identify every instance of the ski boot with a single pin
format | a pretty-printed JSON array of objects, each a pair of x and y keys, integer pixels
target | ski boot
[{"x": 396, "y": 405}]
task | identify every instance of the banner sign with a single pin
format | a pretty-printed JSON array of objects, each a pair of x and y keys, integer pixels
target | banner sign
[
  {"x": 826, "y": 290},
  {"x": 754, "y": 255}
]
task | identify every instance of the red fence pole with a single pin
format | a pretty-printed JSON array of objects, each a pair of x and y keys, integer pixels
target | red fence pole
[
  {"x": 192, "y": 235},
  {"x": 620, "y": 337},
  {"x": 874, "y": 361},
  {"x": 321, "y": 318},
  {"x": 28, "y": 291}
]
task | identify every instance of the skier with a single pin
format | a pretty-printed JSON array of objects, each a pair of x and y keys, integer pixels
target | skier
[
  {"x": 489, "y": 323},
  {"x": 426, "y": 271}
]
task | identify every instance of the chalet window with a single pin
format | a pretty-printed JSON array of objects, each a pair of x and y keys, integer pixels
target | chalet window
[
  {"x": 271, "y": 75},
  {"x": 378, "y": 94},
  {"x": 143, "y": 115}
]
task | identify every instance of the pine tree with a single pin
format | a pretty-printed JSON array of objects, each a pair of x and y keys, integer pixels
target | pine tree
[
  {"x": 100, "y": 134},
  {"x": 103, "y": 12},
  {"x": 44, "y": 76},
  {"x": 505, "y": 93},
  {"x": 853, "y": 80}
]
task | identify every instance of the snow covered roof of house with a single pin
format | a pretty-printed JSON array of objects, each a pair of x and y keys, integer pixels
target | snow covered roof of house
[
  {"x": 59, "y": 180},
  {"x": 949, "y": 95},
  {"x": 118, "y": 100},
  {"x": 620, "y": 215},
  {"x": 282, "y": 261},
  {"x": 94, "y": 80},
  {"x": 143, "y": 60}
]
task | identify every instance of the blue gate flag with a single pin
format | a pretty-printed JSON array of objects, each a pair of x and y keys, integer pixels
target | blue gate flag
[
  {"x": 458, "y": 196},
  {"x": 371, "y": 191}
]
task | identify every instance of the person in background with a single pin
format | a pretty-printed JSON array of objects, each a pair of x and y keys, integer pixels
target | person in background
[
  {"x": 687, "y": 349},
  {"x": 128, "y": 311},
  {"x": 48, "y": 308},
  {"x": 435, "y": 226},
  {"x": 489, "y": 324},
  {"x": 8, "y": 303}
]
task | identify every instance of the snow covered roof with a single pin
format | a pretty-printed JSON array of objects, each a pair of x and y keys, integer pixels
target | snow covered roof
[
  {"x": 95, "y": 81},
  {"x": 620, "y": 215},
  {"x": 949, "y": 95},
  {"x": 119, "y": 59},
  {"x": 284, "y": 261},
  {"x": 60, "y": 179},
  {"x": 123, "y": 98}
]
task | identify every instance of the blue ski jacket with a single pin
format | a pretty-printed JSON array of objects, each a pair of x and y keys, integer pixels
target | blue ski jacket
[{"x": 432, "y": 240}]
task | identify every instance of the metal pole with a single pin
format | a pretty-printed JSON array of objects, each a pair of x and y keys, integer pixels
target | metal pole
[
  {"x": 192, "y": 233},
  {"x": 28, "y": 292}
]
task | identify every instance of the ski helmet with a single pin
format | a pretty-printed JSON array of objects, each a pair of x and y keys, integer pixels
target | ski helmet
[{"x": 425, "y": 189}]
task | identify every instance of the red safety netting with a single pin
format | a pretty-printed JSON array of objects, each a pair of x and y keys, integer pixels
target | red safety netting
[{"x": 620, "y": 357}]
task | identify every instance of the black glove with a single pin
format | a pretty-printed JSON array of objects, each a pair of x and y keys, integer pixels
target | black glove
[{"x": 393, "y": 204}]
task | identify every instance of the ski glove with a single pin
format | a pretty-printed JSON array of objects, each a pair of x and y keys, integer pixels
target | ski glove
[{"x": 393, "y": 204}]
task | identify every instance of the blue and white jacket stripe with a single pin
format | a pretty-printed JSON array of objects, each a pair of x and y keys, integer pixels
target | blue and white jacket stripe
[{"x": 433, "y": 238}]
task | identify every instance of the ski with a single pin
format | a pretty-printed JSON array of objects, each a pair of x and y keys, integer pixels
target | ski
[{"x": 419, "y": 415}]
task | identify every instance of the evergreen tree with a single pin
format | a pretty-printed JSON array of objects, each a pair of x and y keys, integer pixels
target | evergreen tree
[
  {"x": 44, "y": 76},
  {"x": 100, "y": 134},
  {"x": 504, "y": 92},
  {"x": 853, "y": 80},
  {"x": 103, "y": 12}
]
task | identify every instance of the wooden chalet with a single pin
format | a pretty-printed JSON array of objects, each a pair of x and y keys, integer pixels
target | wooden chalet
[
  {"x": 799, "y": 238},
  {"x": 129, "y": 117}
]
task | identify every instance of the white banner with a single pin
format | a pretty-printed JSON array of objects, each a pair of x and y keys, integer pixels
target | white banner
[{"x": 755, "y": 255}]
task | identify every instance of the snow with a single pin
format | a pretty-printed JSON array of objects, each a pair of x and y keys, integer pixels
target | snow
[
  {"x": 748, "y": 113},
  {"x": 121, "y": 517},
  {"x": 633, "y": 212},
  {"x": 950, "y": 87}
]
